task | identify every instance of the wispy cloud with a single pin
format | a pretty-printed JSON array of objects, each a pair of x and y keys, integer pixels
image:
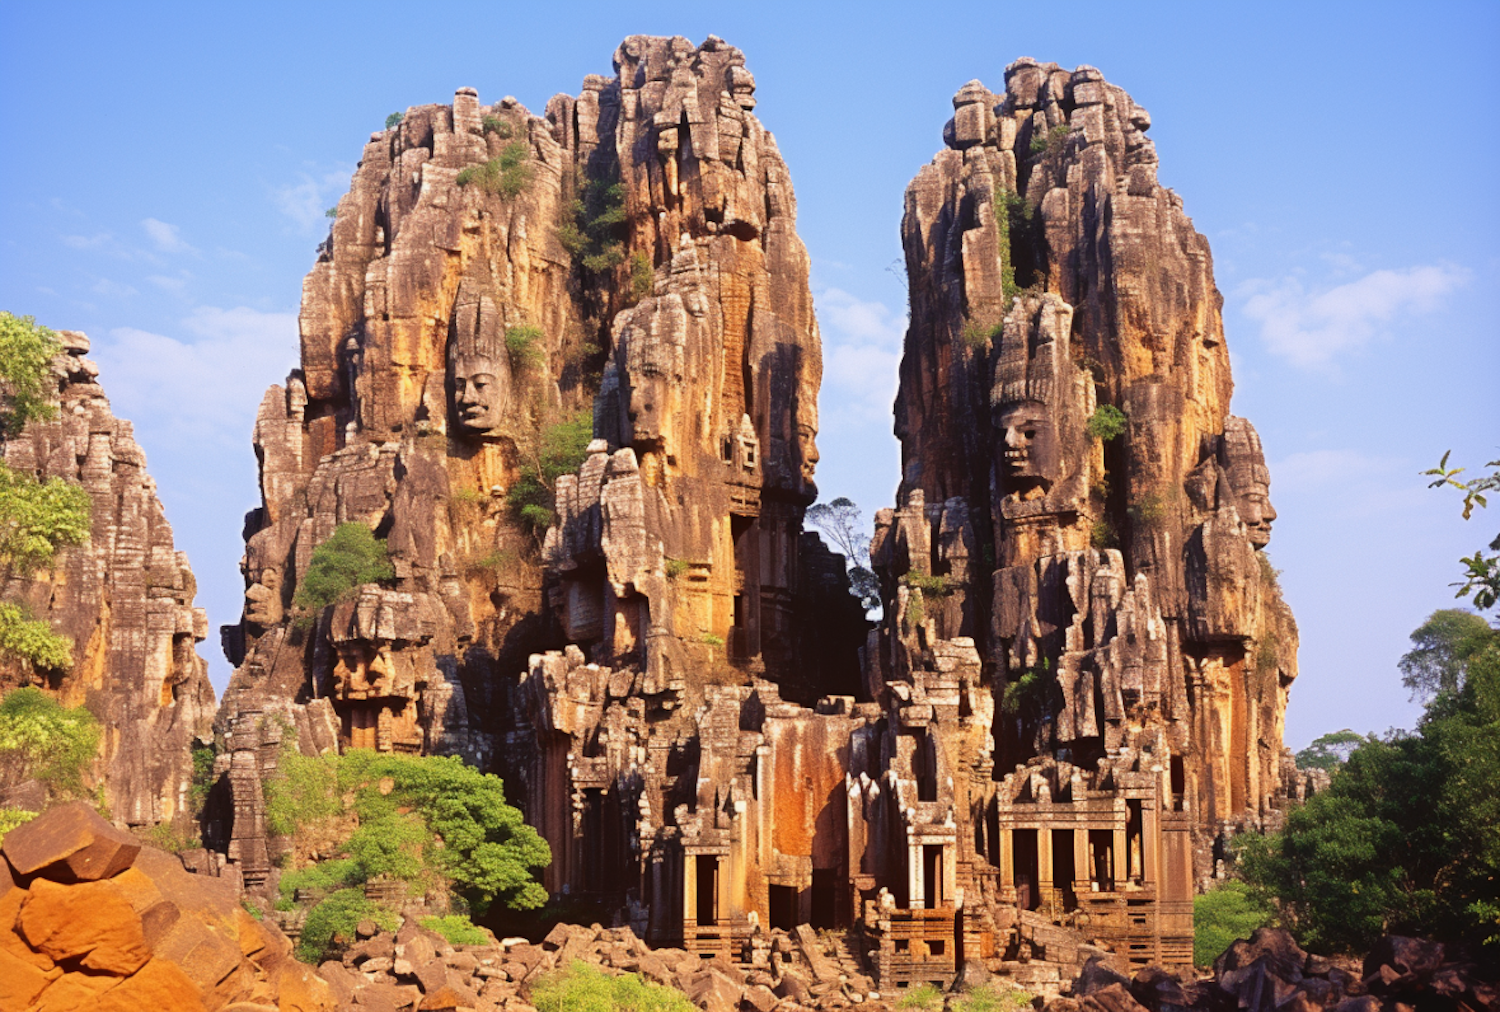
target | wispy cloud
[
  {"x": 95, "y": 241},
  {"x": 115, "y": 289},
  {"x": 306, "y": 202},
  {"x": 1311, "y": 328},
  {"x": 202, "y": 388},
  {"x": 861, "y": 351},
  {"x": 166, "y": 238}
]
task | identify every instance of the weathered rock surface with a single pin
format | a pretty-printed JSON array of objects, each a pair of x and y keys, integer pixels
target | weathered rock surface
[
  {"x": 136, "y": 931},
  {"x": 1128, "y": 653},
  {"x": 1270, "y": 971},
  {"x": 125, "y": 597}
]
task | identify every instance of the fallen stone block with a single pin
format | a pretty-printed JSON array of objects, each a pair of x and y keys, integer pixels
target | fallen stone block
[{"x": 70, "y": 843}]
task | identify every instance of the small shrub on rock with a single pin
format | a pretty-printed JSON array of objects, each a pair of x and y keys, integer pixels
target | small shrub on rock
[
  {"x": 351, "y": 557},
  {"x": 584, "y": 988}
]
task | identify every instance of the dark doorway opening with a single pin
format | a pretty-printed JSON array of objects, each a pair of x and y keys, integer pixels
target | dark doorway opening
[
  {"x": 1064, "y": 871},
  {"x": 1024, "y": 842},
  {"x": 783, "y": 904},
  {"x": 708, "y": 889},
  {"x": 932, "y": 875},
  {"x": 825, "y": 898}
]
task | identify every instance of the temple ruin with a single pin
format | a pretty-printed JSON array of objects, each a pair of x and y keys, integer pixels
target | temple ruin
[{"x": 1075, "y": 694}]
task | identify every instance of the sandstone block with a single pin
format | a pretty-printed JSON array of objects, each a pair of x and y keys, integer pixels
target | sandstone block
[
  {"x": 91, "y": 920},
  {"x": 159, "y": 984},
  {"x": 73, "y": 992},
  {"x": 70, "y": 843},
  {"x": 21, "y": 981}
]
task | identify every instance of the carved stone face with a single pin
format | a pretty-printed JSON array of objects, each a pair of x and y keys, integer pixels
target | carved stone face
[
  {"x": 1257, "y": 512},
  {"x": 648, "y": 395},
  {"x": 263, "y": 600},
  {"x": 1028, "y": 440},
  {"x": 807, "y": 450},
  {"x": 478, "y": 396},
  {"x": 1245, "y": 465}
]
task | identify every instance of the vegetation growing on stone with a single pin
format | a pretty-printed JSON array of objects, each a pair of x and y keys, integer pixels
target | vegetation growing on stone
[
  {"x": 593, "y": 229},
  {"x": 560, "y": 449},
  {"x": 394, "y": 119},
  {"x": 1013, "y": 213},
  {"x": 40, "y": 739},
  {"x": 26, "y": 352},
  {"x": 642, "y": 276},
  {"x": 497, "y": 126},
  {"x": 457, "y": 929},
  {"x": 524, "y": 346},
  {"x": 351, "y": 557},
  {"x": 584, "y": 988},
  {"x": 432, "y": 822},
  {"x": 332, "y": 922},
  {"x": 1106, "y": 423},
  {"x": 37, "y": 518},
  {"x": 508, "y": 174}
]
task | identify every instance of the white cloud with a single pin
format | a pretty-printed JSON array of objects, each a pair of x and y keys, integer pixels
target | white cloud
[
  {"x": 307, "y": 202},
  {"x": 166, "y": 238},
  {"x": 188, "y": 392},
  {"x": 106, "y": 287},
  {"x": 861, "y": 352},
  {"x": 86, "y": 241},
  {"x": 1310, "y": 328},
  {"x": 169, "y": 284}
]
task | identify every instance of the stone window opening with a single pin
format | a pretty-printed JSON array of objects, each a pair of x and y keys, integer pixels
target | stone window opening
[
  {"x": 707, "y": 898},
  {"x": 932, "y": 876}
]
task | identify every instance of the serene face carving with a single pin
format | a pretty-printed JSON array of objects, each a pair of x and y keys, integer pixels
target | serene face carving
[
  {"x": 1257, "y": 512},
  {"x": 1029, "y": 445},
  {"x": 478, "y": 397},
  {"x": 263, "y": 600},
  {"x": 648, "y": 394},
  {"x": 807, "y": 449},
  {"x": 1250, "y": 478}
]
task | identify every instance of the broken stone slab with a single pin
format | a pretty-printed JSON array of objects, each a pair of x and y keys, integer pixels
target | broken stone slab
[{"x": 70, "y": 843}]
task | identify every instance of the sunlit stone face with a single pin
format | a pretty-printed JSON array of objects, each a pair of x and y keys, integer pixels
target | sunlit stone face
[
  {"x": 648, "y": 396},
  {"x": 1250, "y": 479},
  {"x": 1257, "y": 512},
  {"x": 478, "y": 396},
  {"x": 1028, "y": 441},
  {"x": 807, "y": 450}
]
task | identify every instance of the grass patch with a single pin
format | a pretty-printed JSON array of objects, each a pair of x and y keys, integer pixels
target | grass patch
[
  {"x": 927, "y": 998},
  {"x": 497, "y": 126},
  {"x": 676, "y": 567},
  {"x": 710, "y": 640},
  {"x": 1102, "y": 534},
  {"x": 1052, "y": 140}
]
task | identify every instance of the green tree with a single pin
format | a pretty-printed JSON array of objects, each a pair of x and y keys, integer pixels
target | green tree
[
  {"x": 351, "y": 557},
  {"x": 840, "y": 521},
  {"x": 36, "y": 519},
  {"x": 1441, "y": 650},
  {"x": 1228, "y": 912},
  {"x": 26, "y": 353},
  {"x": 1407, "y": 837},
  {"x": 560, "y": 449},
  {"x": 43, "y": 740},
  {"x": 432, "y": 822},
  {"x": 1330, "y": 751}
]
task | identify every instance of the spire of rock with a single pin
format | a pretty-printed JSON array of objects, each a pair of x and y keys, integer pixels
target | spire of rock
[{"x": 124, "y": 597}]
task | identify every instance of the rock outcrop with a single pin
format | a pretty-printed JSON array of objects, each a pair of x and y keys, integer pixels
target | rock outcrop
[
  {"x": 125, "y": 597},
  {"x": 1082, "y": 521},
  {"x": 567, "y": 366},
  {"x": 92, "y": 920}
]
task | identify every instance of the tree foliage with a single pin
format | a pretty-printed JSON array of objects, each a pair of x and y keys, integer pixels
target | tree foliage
[
  {"x": 1407, "y": 837},
  {"x": 432, "y": 822},
  {"x": 507, "y": 175},
  {"x": 26, "y": 353},
  {"x": 1330, "y": 751},
  {"x": 1441, "y": 650},
  {"x": 1106, "y": 423},
  {"x": 37, "y": 518},
  {"x": 351, "y": 557},
  {"x": 1481, "y": 572},
  {"x": 840, "y": 521},
  {"x": 40, "y": 739},
  {"x": 1228, "y": 912},
  {"x": 333, "y": 920},
  {"x": 560, "y": 449}
]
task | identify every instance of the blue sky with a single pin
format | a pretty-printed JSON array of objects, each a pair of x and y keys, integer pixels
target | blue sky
[{"x": 167, "y": 167}]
